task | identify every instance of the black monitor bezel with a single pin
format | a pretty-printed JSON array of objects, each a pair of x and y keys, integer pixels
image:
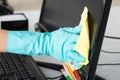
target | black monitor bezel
[{"x": 99, "y": 39}]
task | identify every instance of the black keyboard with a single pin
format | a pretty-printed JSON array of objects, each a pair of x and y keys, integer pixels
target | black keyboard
[{"x": 19, "y": 67}]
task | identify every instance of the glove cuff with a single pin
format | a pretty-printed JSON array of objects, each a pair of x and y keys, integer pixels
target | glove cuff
[{"x": 27, "y": 43}]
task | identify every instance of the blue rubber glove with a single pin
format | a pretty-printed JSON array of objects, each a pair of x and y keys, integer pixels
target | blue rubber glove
[{"x": 59, "y": 44}]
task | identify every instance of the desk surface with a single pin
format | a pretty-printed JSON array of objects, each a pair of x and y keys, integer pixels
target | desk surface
[{"x": 113, "y": 27}]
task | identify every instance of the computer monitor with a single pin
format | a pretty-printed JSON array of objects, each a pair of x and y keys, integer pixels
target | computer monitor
[{"x": 63, "y": 13}]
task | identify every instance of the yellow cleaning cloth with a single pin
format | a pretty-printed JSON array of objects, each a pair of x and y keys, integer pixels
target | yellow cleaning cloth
[{"x": 83, "y": 43}]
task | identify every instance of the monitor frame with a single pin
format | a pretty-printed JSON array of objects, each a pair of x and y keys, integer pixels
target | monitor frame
[{"x": 99, "y": 39}]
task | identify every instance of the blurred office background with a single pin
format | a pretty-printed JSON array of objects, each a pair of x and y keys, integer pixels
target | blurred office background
[
  {"x": 109, "y": 72},
  {"x": 35, "y": 4}
]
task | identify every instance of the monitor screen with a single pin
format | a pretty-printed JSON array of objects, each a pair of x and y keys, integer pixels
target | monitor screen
[{"x": 63, "y": 13}]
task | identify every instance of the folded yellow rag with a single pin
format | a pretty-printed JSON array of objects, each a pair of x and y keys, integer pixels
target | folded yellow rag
[{"x": 83, "y": 44}]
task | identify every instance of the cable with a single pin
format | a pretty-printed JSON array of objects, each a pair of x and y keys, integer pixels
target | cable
[
  {"x": 112, "y": 37},
  {"x": 110, "y": 52},
  {"x": 54, "y": 77},
  {"x": 53, "y": 66},
  {"x": 108, "y": 64}
]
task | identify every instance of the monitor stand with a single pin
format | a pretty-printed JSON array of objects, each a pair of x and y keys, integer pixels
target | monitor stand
[{"x": 99, "y": 78}]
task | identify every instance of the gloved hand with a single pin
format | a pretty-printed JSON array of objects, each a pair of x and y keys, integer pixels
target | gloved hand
[{"x": 59, "y": 44}]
